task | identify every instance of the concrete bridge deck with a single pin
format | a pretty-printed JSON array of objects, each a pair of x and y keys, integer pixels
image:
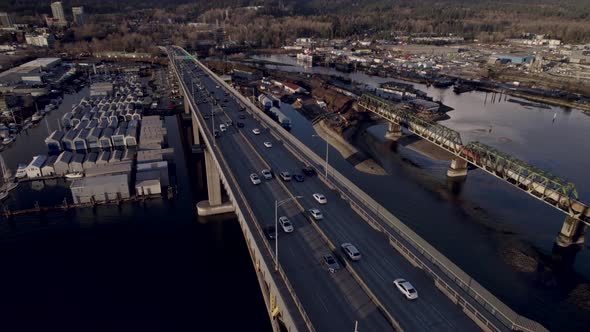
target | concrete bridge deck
[{"x": 363, "y": 291}]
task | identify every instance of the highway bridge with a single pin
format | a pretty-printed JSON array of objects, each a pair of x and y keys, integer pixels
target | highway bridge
[
  {"x": 549, "y": 188},
  {"x": 300, "y": 292}
]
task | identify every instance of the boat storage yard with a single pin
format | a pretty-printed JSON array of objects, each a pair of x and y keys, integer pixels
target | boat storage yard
[{"x": 107, "y": 148}]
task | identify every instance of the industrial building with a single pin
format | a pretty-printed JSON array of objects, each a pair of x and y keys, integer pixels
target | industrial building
[{"x": 102, "y": 188}]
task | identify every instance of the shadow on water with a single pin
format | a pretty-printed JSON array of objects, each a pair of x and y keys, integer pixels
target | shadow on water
[{"x": 144, "y": 266}]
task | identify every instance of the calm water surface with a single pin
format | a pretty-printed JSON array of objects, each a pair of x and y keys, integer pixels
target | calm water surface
[
  {"x": 498, "y": 234},
  {"x": 151, "y": 266}
]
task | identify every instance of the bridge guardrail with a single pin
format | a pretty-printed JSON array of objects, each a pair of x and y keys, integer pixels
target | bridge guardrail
[
  {"x": 474, "y": 291},
  {"x": 225, "y": 167}
]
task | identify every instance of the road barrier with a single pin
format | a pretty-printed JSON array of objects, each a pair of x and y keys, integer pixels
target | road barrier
[
  {"x": 478, "y": 303},
  {"x": 239, "y": 201}
]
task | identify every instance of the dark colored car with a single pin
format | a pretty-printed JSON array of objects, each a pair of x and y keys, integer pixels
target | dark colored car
[
  {"x": 298, "y": 177},
  {"x": 309, "y": 171},
  {"x": 271, "y": 232},
  {"x": 240, "y": 124},
  {"x": 242, "y": 116}
]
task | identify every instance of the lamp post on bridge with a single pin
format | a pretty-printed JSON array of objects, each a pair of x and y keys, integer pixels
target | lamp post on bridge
[
  {"x": 277, "y": 204},
  {"x": 327, "y": 149}
]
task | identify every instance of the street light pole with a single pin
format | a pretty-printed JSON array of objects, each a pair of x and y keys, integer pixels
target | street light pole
[
  {"x": 327, "y": 149},
  {"x": 277, "y": 204}
]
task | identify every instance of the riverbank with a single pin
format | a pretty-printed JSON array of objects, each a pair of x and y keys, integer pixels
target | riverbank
[
  {"x": 546, "y": 100},
  {"x": 359, "y": 160}
]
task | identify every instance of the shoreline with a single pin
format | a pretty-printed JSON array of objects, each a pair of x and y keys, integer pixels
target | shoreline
[{"x": 360, "y": 160}]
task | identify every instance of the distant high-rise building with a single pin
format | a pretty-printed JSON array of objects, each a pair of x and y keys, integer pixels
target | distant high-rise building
[
  {"x": 78, "y": 13},
  {"x": 58, "y": 12},
  {"x": 6, "y": 20}
]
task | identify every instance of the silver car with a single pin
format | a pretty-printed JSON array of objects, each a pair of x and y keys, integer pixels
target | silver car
[
  {"x": 286, "y": 224},
  {"x": 266, "y": 174},
  {"x": 316, "y": 214},
  {"x": 351, "y": 251},
  {"x": 254, "y": 178},
  {"x": 406, "y": 288}
]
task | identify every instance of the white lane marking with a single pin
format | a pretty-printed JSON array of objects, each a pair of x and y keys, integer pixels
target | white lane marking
[
  {"x": 376, "y": 273},
  {"x": 322, "y": 302}
]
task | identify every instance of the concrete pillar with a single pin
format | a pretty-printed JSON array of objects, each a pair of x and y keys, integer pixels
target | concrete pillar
[
  {"x": 214, "y": 204},
  {"x": 213, "y": 180},
  {"x": 196, "y": 130},
  {"x": 572, "y": 232},
  {"x": 394, "y": 131},
  {"x": 187, "y": 108},
  {"x": 458, "y": 168}
]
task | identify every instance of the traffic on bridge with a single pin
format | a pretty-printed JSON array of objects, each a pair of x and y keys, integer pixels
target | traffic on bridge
[{"x": 348, "y": 260}]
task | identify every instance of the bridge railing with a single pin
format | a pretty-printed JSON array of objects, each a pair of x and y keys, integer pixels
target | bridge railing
[
  {"x": 431, "y": 130},
  {"x": 469, "y": 289},
  {"x": 240, "y": 201}
]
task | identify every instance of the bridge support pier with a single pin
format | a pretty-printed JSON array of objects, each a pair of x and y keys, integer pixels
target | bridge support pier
[
  {"x": 214, "y": 205},
  {"x": 458, "y": 168},
  {"x": 572, "y": 232},
  {"x": 394, "y": 131}
]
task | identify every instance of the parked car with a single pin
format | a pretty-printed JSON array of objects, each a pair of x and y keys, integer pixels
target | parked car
[
  {"x": 298, "y": 177},
  {"x": 316, "y": 214},
  {"x": 331, "y": 263},
  {"x": 286, "y": 224},
  {"x": 271, "y": 232},
  {"x": 309, "y": 171},
  {"x": 268, "y": 144},
  {"x": 406, "y": 288},
  {"x": 254, "y": 178},
  {"x": 266, "y": 174},
  {"x": 285, "y": 176},
  {"x": 351, "y": 251},
  {"x": 256, "y": 131}
]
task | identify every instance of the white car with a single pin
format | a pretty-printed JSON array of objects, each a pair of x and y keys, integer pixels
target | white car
[
  {"x": 256, "y": 131},
  {"x": 320, "y": 198},
  {"x": 254, "y": 178},
  {"x": 285, "y": 176},
  {"x": 406, "y": 288},
  {"x": 266, "y": 174},
  {"x": 351, "y": 251},
  {"x": 222, "y": 127},
  {"x": 316, "y": 214},
  {"x": 286, "y": 224},
  {"x": 268, "y": 144}
]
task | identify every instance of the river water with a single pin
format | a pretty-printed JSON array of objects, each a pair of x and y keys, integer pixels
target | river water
[
  {"x": 151, "y": 266},
  {"x": 498, "y": 234}
]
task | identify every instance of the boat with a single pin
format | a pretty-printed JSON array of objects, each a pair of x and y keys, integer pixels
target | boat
[
  {"x": 8, "y": 140},
  {"x": 74, "y": 175},
  {"x": 37, "y": 117},
  {"x": 462, "y": 87},
  {"x": 21, "y": 171}
]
